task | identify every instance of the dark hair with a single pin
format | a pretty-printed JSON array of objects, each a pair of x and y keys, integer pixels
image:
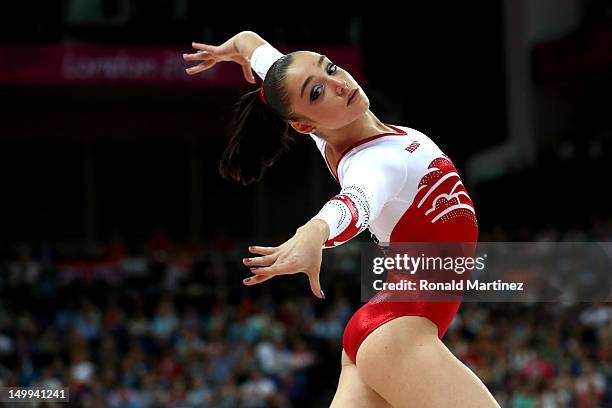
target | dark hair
[{"x": 259, "y": 132}]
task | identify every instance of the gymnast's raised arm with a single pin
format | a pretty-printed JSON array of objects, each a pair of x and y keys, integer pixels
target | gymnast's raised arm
[{"x": 238, "y": 49}]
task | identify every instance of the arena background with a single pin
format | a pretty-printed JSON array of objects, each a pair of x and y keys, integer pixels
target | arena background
[{"x": 121, "y": 245}]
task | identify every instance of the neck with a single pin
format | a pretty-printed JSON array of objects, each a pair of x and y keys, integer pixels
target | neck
[{"x": 367, "y": 125}]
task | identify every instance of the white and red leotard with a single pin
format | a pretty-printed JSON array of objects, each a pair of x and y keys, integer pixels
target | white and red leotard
[{"x": 402, "y": 188}]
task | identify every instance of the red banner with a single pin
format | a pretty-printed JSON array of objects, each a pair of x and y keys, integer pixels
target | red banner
[{"x": 95, "y": 65}]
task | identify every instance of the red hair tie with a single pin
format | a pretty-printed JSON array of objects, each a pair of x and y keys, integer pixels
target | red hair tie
[{"x": 262, "y": 96}]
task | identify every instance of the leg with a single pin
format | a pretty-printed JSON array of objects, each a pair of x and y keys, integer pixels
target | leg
[
  {"x": 352, "y": 392},
  {"x": 405, "y": 362}
]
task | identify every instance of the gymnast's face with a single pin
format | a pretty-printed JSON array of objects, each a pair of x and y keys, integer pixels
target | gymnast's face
[{"x": 320, "y": 93}]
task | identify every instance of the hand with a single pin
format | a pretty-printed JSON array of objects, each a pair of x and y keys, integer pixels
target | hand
[
  {"x": 237, "y": 49},
  {"x": 301, "y": 253}
]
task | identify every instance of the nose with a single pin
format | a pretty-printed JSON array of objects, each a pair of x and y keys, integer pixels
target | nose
[{"x": 340, "y": 85}]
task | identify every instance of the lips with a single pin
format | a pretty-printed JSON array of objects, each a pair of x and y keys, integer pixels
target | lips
[{"x": 353, "y": 94}]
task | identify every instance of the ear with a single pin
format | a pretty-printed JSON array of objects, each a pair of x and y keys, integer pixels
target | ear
[{"x": 302, "y": 127}]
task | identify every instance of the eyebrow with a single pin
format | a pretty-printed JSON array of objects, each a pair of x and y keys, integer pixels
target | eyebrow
[{"x": 321, "y": 58}]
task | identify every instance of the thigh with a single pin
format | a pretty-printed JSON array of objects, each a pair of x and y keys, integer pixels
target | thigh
[
  {"x": 405, "y": 362},
  {"x": 352, "y": 392}
]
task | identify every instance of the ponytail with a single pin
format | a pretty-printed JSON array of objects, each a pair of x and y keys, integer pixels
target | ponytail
[{"x": 259, "y": 131}]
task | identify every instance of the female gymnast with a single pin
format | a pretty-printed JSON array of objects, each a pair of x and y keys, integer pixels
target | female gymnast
[{"x": 394, "y": 181}]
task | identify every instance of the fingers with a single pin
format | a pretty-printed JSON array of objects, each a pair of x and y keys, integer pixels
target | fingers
[
  {"x": 248, "y": 72},
  {"x": 280, "y": 269},
  {"x": 200, "y": 67},
  {"x": 315, "y": 285},
  {"x": 284, "y": 269},
  {"x": 260, "y": 260},
  {"x": 260, "y": 250},
  {"x": 207, "y": 53},
  {"x": 203, "y": 47},
  {"x": 268, "y": 266},
  {"x": 197, "y": 56},
  {"x": 254, "y": 280}
]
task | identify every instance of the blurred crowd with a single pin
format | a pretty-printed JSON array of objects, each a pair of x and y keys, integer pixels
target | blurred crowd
[{"x": 170, "y": 325}]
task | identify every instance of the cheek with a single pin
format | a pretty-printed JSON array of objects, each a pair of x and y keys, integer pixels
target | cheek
[
  {"x": 350, "y": 78},
  {"x": 333, "y": 113}
]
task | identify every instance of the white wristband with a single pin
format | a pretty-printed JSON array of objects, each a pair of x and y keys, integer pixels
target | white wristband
[{"x": 262, "y": 59}]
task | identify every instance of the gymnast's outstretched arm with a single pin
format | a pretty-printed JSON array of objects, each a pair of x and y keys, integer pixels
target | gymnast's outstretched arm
[{"x": 238, "y": 49}]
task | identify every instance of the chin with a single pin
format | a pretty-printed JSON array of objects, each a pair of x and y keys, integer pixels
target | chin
[
  {"x": 364, "y": 99},
  {"x": 363, "y": 107}
]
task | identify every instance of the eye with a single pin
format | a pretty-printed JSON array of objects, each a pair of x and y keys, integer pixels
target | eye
[{"x": 316, "y": 90}]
